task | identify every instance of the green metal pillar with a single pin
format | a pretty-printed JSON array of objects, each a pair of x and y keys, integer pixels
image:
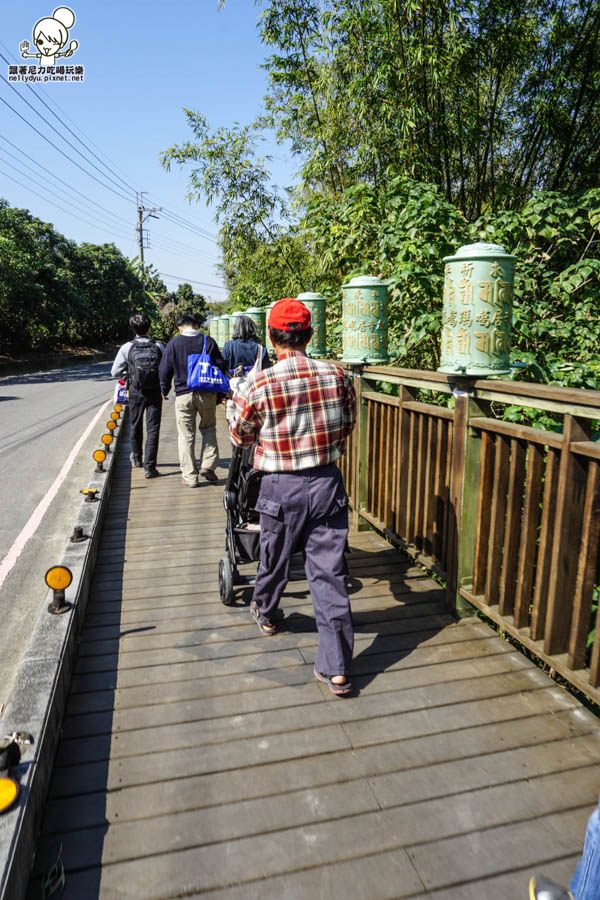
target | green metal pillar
[
  {"x": 365, "y": 321},
  {"x": 225, "y": 329},
  {"x": 477, "y": 315},
  {"x": 317, "y": 345}
]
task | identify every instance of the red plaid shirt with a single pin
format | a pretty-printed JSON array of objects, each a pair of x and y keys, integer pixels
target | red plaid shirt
[{"x": 299, "y": 413}]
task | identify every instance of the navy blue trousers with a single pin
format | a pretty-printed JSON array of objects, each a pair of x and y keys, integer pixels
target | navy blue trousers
[
  {"x": 150, "y": 406},
  {"x": 308, "y": 511}
]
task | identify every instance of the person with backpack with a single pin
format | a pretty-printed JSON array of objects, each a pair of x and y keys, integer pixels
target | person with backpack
[
  {"x": 194, "y": 362},
  {"x": 140, "y": 360}
]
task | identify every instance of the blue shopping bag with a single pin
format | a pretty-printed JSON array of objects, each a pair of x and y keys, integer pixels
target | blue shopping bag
[{"x": 203, "y": 375}]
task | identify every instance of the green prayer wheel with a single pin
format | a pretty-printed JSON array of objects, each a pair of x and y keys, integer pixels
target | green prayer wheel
[
  {"x": 477, "y": 312},
  {"x": 365, "y": 321},
  {"x": 259, "y": 317},
  {"x": 317, "y": 346},
  {"x": 225, "y": 329},
  {"x": 268, "y": 343}
]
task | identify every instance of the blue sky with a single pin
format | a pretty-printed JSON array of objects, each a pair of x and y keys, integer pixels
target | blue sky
[{"x": 143, "y": 62}]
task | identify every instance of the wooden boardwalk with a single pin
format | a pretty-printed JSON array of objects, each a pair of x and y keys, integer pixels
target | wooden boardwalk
[{"x": 201, "y": 759}]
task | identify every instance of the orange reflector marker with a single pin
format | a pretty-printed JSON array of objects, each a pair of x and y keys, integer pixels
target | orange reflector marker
[
  {"x": 9, "y": 791},
  {"x": 115, "y": 416},
  {"x": 58, "y": 578},
  {"x": 118, "y": 407},
  {"x": 111, "y": 425},
  {"x": 99, "y": 456},
  {"x": 107, "y": 439}
]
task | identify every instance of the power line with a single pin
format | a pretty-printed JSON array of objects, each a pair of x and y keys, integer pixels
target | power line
[
  {"x": 154, "y": 245},
  {"x": 171, "y": 215},
  {"x": 219, "y": 287},
  {"x": 195, "y": 229},
  {"x": 170, "y": 244},
  {"x": 62, "y": 153},
  {"x": 175, "y": 211},
  {"x": 186, "y": 248},
  {"x": 70, "y": 130},
  {"x": 57, "y": 178},
  {"x": 49, "y": 124},
  {"x": 117, "y": 230},
  {"x": 39, "y": 96},
  {"x": 57, "y": 205}
]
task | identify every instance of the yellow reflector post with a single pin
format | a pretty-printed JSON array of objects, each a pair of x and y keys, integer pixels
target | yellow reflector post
[
  {"x": 107, "y": 439},
  {"x": 9, "y": 791},
  {"x": 111, "y": 425},
  {"x": 99, "y": 456},
  {"x": 118, "y": 407},
  {"x": 115, "y": 416},
  {"x": 58, "y": 578}
]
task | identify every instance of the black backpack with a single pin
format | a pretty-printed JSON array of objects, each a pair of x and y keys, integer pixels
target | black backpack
[{"x": 143, "y": 361}]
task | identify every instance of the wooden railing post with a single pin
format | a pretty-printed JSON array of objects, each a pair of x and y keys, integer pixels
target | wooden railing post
[
  {"x": 361, "y": 456},
  {"x": 403, "y": 469},
  {"x": 567, "y": 532},
  {"x": 464, "y": 493}
]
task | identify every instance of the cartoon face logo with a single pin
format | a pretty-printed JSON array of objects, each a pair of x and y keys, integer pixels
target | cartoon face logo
[{"x": 50, "y": 35}]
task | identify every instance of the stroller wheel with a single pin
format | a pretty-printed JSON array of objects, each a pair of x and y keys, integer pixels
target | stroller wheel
[{"x": 225, "y": 582}]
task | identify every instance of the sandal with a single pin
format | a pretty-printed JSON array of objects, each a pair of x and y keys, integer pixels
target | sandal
[
  {"x": 267, "y": 628},
  {"x": 340, "y": 690}
]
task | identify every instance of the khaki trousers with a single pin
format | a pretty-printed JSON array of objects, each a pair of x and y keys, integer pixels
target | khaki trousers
[{"x": 187, "y": 407}]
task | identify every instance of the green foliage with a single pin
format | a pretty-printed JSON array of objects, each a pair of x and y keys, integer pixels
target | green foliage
[
  {"x": 419, "y": 127},
  {"x": 54, "y": 292},
  {"x": 557, "y": 284},
  {"x": 485, "y": 99},
  {"x": 173, "y": 305}
]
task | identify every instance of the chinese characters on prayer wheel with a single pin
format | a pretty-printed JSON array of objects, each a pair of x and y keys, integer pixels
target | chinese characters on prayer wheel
[
  {"x": 365, "y": 321},
  {"x": 316, "y": 304},
  {"x": 477, "y": 312}
]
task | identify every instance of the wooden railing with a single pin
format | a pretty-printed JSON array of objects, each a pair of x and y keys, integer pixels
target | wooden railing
[{"x": 507, "y": 515}]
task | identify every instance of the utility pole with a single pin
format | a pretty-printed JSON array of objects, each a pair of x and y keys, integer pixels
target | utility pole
[{"x": 143, "y": 213}]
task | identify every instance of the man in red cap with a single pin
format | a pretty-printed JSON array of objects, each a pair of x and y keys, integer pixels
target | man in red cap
[{"x": 299, "y": 414}]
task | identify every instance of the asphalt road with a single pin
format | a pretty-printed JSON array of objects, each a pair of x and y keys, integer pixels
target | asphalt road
[{"x": 42, "y": 416}]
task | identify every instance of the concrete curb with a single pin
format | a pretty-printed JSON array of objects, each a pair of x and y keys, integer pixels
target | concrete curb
[{"x": 37, "y": 701}]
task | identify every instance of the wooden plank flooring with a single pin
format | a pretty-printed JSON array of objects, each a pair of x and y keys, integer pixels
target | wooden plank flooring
[{"x": 200, "y": 759}]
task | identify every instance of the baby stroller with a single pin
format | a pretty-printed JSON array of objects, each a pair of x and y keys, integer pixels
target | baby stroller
[{"x": 242, "y": 535}]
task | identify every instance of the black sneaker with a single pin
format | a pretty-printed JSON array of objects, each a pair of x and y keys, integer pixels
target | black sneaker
[
  {"x": 151, "y": 473},
  {"x": 135, "y": 461},
  {"x": 209, "y": 475}
]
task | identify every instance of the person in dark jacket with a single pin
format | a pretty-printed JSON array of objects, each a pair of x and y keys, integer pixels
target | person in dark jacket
[
  {"x": 140, "y": 358},
  {"x": 243, "y": 349},
  {"x": 189, "y": 404}
]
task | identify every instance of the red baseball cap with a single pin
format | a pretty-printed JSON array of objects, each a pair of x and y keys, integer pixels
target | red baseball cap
[{"x": 289, "y": 314}]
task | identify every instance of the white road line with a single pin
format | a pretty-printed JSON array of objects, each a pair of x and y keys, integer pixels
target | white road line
[{"x": 37, "y": 515}]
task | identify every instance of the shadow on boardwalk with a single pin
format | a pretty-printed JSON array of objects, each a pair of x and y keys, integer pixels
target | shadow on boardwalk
[{"x": 199, "y": 758}]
